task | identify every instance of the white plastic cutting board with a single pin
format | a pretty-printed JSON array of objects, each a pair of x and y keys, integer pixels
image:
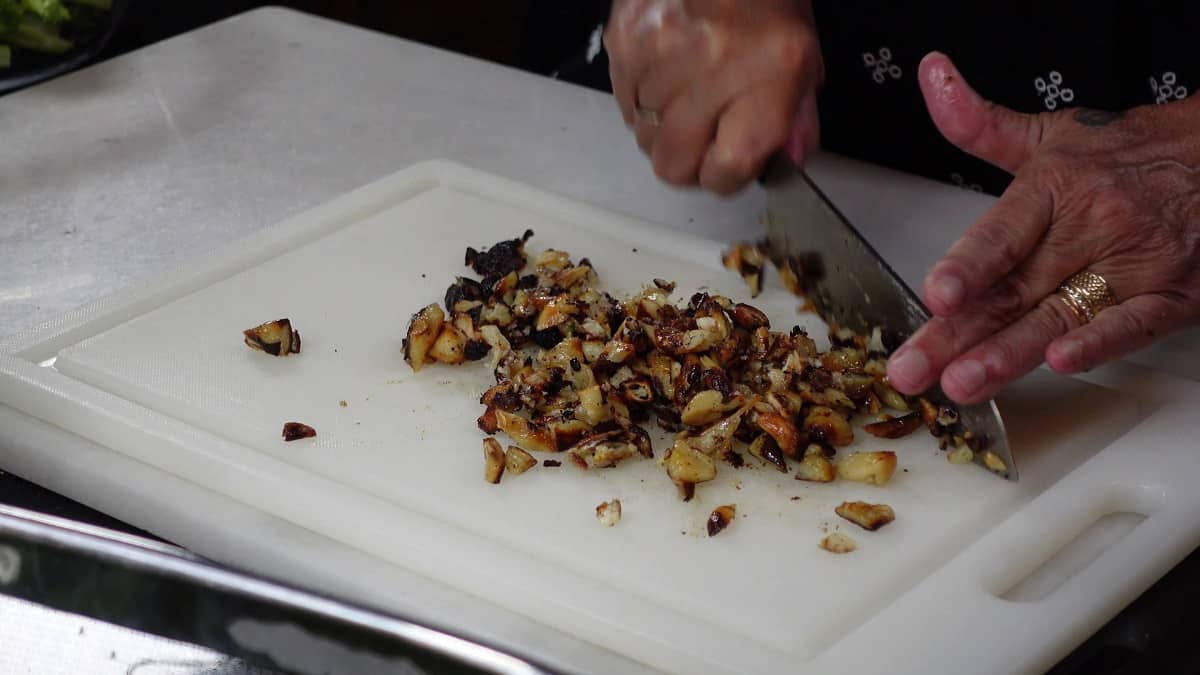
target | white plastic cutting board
[{"x": 162, "y": 376}]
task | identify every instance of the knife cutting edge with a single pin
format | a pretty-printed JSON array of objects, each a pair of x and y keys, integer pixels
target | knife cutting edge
[{"x": 852, "y": 287}]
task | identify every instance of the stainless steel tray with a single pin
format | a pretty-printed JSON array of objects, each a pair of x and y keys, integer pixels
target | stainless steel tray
[{"x": 165, "y": 591}]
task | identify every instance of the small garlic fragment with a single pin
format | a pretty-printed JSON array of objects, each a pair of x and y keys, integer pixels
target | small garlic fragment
[
  {"x": 609, "y": 513},
  {"x": 493, "y": 460},
  {"x": 992, "y": 461},
  {"x": 838, "y": 543}
]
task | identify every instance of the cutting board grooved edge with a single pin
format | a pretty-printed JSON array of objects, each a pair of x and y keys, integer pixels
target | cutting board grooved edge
[
  {"x": 70, "y": 380},
  {"x": 424, "y": 561}
]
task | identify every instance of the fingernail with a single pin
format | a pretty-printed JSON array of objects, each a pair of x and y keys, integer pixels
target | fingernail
[
  {"x": 908, "y": 369},
  {"x": 969, "y": 375},
  {"x": 949, "y": 291},
  {"x": 1070, "y": 353}
]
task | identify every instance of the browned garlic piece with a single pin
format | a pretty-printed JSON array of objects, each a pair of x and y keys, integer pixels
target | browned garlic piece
[
  {"x": 609, "y": 513},
  {"x": 867, "y": 516},
  {"x": 493, "y": 460},
  {"x": 276, "y": 338},
  {"x": 720, "y": 519},
  {"x": 839, "y": 543},
  {"x": 517, "y": 461},
  {"x": 875, "y": 468}
]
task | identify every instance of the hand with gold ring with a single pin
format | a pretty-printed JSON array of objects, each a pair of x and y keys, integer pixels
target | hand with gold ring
[
  {"x": 648, "y": 117},
  {"x": 711, "y": 88},
  {"x": 1091, "y": 253}
]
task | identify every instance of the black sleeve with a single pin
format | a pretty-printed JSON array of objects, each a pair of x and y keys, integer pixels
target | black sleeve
[
  {"x": 562, "y": 39},
  {"x": 1029, "y": 56}
]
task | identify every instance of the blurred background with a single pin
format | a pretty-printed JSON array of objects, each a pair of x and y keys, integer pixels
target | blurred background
[{"x": 543, "y": 36}]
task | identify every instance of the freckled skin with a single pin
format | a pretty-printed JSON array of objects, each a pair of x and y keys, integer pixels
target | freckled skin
[
  {"x": 1097, "y": 118},
  {"x": 1113, "y": 192}
]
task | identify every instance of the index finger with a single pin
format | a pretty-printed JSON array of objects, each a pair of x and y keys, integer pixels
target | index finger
[
  {"x": 991, "y": 248},
  {"x": 623, "y": 85},
  {"x": 632, "y": 39}
]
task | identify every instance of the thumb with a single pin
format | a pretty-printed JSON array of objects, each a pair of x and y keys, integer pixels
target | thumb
[{"x": 991, "y": 132}]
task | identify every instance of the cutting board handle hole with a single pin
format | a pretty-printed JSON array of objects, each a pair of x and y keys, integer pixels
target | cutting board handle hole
[{"x": 1104, "y": 533}]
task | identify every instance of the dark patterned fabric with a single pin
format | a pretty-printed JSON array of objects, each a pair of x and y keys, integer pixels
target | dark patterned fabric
[{"x": 1029, "y": 56}]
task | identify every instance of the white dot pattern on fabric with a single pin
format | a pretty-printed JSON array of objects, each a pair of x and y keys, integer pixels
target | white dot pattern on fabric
[
  {"x": 1166, "y": 88},
  {"x": 1051, "y": 89},
  {"x": 881, "y": 66},
  {"x": 957, "y": 179},
  {"x": 595, "y": 44}
]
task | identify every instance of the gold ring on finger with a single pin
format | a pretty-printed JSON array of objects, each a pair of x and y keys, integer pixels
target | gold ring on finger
[
  {"x": 1086, "y": 294},
  {"x": 649, "y": 117}
]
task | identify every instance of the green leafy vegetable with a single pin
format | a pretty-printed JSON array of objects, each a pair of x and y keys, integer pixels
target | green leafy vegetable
[
  {"x": 42, "y": 25},
  {"x": 51, "y": 11}
]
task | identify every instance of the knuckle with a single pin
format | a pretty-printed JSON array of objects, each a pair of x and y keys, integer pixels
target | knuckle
[
  {"x": 1135, "y": 325},
  {"x": 1007, "y": 300},
  {"x": 941, "y": 338},
  {"x": 645, "y": 139},
  {"x": 1054, "y": 165},
  {"x": 1005, "y": 358},
  {"x": 669, "y": 45},
  {"x": 713, "y": 48},
  {"x": 1058, "y": 319},
  {"x": 741, "y": 154},
  {"x": 997, "y": 243},
  {"x": 1111, "y": 207},
  {"x": 615, "y": 43},
  {"x": 1130, "y": 326},
  {"x": 1014, "y": 351},
  {"x": 789, "y": 52},
  {"x": 672, "y": 170},
  {"x": 719, "y": 183},
  {"x": 731, "y": 163}
]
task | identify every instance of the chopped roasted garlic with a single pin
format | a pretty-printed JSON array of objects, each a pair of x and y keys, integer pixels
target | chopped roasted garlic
[
  {"x": 604, "y": 450},
  {"x": 961, "y": 455},
  {"x": 688, "y": 466},
  {"x": 493, "y": 460},
  {"x": 837, "y": 542},
  {"x": 450, "y": 347},
  {"x": 423, "y": 330},
  {"x": 707, "y": 407},
  {"x": 816, "y": 468},
  {"x": 517, "y": 461},
  {"x": 875, "y": 468},
  {"x": 609, "y": 513},
  {"x": 825, "y": 424},
  {"x": 867, "y": 516},
  {"x": 276, "y": 338},
  {"x": 579, "y": 371},
  {"x": 766, "y": 449},
  {"x": 992, "y": 461},
  {"x": 897, "y": 427},
  {"x": 783, "y": 431},
  {"x": 720, "y": 519}
]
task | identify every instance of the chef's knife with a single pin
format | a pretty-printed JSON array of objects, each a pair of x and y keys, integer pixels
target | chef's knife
[{"x": 852, "y": 287}]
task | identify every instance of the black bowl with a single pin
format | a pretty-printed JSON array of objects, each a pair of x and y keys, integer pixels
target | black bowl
[{"x": 29, "y": 68}]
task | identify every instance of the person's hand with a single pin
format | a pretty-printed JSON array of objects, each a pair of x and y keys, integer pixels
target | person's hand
[
  {"x": 713, "y": 87},
  {"x": 1111, "y": 193}
]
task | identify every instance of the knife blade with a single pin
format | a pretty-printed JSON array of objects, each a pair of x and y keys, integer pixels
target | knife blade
[{"x": 852, "y": 287}]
